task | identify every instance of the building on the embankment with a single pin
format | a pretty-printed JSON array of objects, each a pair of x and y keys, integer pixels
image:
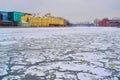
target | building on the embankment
[
  {"x": 109, "y": 22},
  {"x": 15, "y": 18}
]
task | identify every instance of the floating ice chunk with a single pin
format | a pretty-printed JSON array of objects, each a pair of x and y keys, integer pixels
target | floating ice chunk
[
  {"x": 32, "y": 60},
  {"x": 3, "y": 72},
  {"x": 3, "y": 69},
  {"x": 17, "y": 67},
  {"x": 35, "y": 71},
  {"x": 86, "y": 76},
  {"x": 7, "y": 42},
  {"x": 100, "y": 72},
  {"x": 12, "y": 78}
]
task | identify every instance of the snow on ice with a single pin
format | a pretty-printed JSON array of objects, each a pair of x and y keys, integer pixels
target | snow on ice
[{"x": 72, "y": 53}]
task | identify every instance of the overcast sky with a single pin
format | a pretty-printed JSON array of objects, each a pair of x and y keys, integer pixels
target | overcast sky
[{"x": 73, "y": 10}]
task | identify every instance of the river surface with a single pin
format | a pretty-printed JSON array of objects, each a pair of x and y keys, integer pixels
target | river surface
[{"x": 71, "y": 53}]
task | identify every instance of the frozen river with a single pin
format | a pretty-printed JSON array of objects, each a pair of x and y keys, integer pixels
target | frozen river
[{"x": 79, "y": 53}]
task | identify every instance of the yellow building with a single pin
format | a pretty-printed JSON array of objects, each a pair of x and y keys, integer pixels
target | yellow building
[
  {"x": 44, "y": 21},
  {"x": 25, "y": 18}
]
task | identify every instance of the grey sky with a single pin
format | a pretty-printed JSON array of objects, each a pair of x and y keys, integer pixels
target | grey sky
[{"x": 73, "y": 10}]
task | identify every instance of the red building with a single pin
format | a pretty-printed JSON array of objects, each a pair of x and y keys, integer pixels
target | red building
[{"x": 109, "y": 22}]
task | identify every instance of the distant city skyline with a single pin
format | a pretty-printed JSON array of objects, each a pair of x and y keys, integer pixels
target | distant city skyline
[{"x": 73, "y": 10}]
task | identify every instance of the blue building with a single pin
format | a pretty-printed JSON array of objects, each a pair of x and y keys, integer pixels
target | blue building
[{"x": 3, "y": 15}]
